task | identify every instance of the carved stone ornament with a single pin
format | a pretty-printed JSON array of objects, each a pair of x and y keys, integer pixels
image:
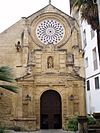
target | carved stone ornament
[
  {"x": 70, "y": 59},
  {"x": 31, "y": 59},
  {"x": 29, "y": 70},
  {"x": 18, "y": 46}
]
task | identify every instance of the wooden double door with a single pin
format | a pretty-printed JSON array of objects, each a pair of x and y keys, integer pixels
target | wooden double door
[{"x": 50, "y": 110}]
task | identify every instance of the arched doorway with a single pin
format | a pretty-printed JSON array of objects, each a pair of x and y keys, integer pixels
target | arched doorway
[{"x": 50, "y": 110}]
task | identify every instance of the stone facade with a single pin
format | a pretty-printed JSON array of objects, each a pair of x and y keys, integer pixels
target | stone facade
[{"x": 40, "y": 67}]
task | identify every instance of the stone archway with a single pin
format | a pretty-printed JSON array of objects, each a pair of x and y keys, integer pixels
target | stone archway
[{"x": 50, "y": 110}]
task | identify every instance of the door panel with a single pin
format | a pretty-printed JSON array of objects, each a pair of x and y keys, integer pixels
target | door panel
[
  {"x": 50, "y": 110},
  {"x": 57, "y": 121},
  {"x": 44, "y": 121}
]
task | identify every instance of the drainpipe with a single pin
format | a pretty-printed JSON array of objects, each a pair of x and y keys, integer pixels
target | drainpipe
[
  {"x": 98, "y": 3},
  {"x": 98, "y": 30}
]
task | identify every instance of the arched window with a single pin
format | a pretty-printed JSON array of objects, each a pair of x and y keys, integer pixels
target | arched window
[{"x": 50, "y": 62}]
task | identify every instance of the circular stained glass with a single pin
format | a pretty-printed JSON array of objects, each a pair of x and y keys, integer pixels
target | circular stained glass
[{"x": 50, "y": 31}]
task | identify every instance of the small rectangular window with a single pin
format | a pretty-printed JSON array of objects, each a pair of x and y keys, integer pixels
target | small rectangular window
[
  {"x": 96, "y": 83},
  {"x": 88, "y": 85},
  {"x": 84, "y": 38},
  {"x": 95, "y": 64},
  {"x": 86, "y": 62},
  {"x": 92, "y": 33}
]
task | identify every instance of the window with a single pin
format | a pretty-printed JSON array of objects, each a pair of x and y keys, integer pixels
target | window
[
  {"x": 88, "y": 85},
  {"x": 96, "y": 83},
  {"x": 92, "y": 33},
  {"x": 95, "y": 59},
  {"x": 84, "y": 37},
  {"x": 86, "y": 62}
]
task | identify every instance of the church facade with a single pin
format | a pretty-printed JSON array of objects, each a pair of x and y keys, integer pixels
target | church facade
[{"x": 44, "y": 51}]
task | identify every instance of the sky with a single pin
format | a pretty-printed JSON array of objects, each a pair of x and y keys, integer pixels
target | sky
[{"x": 11, "y": 11}]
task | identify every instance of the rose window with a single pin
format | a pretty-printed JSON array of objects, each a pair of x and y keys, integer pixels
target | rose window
[{"x": 50, "y": 31}]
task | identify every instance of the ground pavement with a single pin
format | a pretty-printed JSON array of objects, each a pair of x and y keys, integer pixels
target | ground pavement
[{"x": 48, "y": 131}]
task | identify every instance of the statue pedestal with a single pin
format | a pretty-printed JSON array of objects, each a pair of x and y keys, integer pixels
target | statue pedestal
[{"x": 82, "y": 124}]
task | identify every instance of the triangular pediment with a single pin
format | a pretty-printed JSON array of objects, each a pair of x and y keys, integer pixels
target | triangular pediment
[{"x": 50, "y": 9}]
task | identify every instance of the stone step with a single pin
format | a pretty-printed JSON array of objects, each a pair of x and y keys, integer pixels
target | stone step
[
  {"x": 94, "y": 127},
  {"x": 9, "y": 131},
  {"x": 93, "y": 130}
]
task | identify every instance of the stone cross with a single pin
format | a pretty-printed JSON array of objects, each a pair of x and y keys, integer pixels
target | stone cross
[{"x": 49, "y": 1}]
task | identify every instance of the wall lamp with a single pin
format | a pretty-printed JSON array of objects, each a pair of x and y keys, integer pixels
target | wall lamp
[
  {"x": 28, "y": 98},
  {"x": 71, "y": 97}
]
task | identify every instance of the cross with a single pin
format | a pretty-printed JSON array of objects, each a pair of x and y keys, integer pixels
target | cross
[{"x": 49, "y": 1}]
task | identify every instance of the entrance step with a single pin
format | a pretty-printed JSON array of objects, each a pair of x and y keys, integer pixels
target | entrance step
[{"x": 49, "y": 131}]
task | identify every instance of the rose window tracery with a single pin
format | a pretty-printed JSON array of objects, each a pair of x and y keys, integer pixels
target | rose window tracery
[{"x": 50, "y": 31}]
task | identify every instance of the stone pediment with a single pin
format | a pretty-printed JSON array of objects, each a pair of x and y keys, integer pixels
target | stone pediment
[
  {"x": 73, "y": 75},
  {"x": 43, "y": 77},
  {"x": 56, "y": 78}
]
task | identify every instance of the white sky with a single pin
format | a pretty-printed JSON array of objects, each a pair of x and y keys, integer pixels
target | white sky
[{"x": 12, "y": 10}]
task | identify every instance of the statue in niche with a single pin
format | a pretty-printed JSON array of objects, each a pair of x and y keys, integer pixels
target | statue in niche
[{"x": 50, "y": 62}]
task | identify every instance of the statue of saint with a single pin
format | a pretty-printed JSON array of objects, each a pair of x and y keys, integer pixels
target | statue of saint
[{"x": 50, "y": 63}]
